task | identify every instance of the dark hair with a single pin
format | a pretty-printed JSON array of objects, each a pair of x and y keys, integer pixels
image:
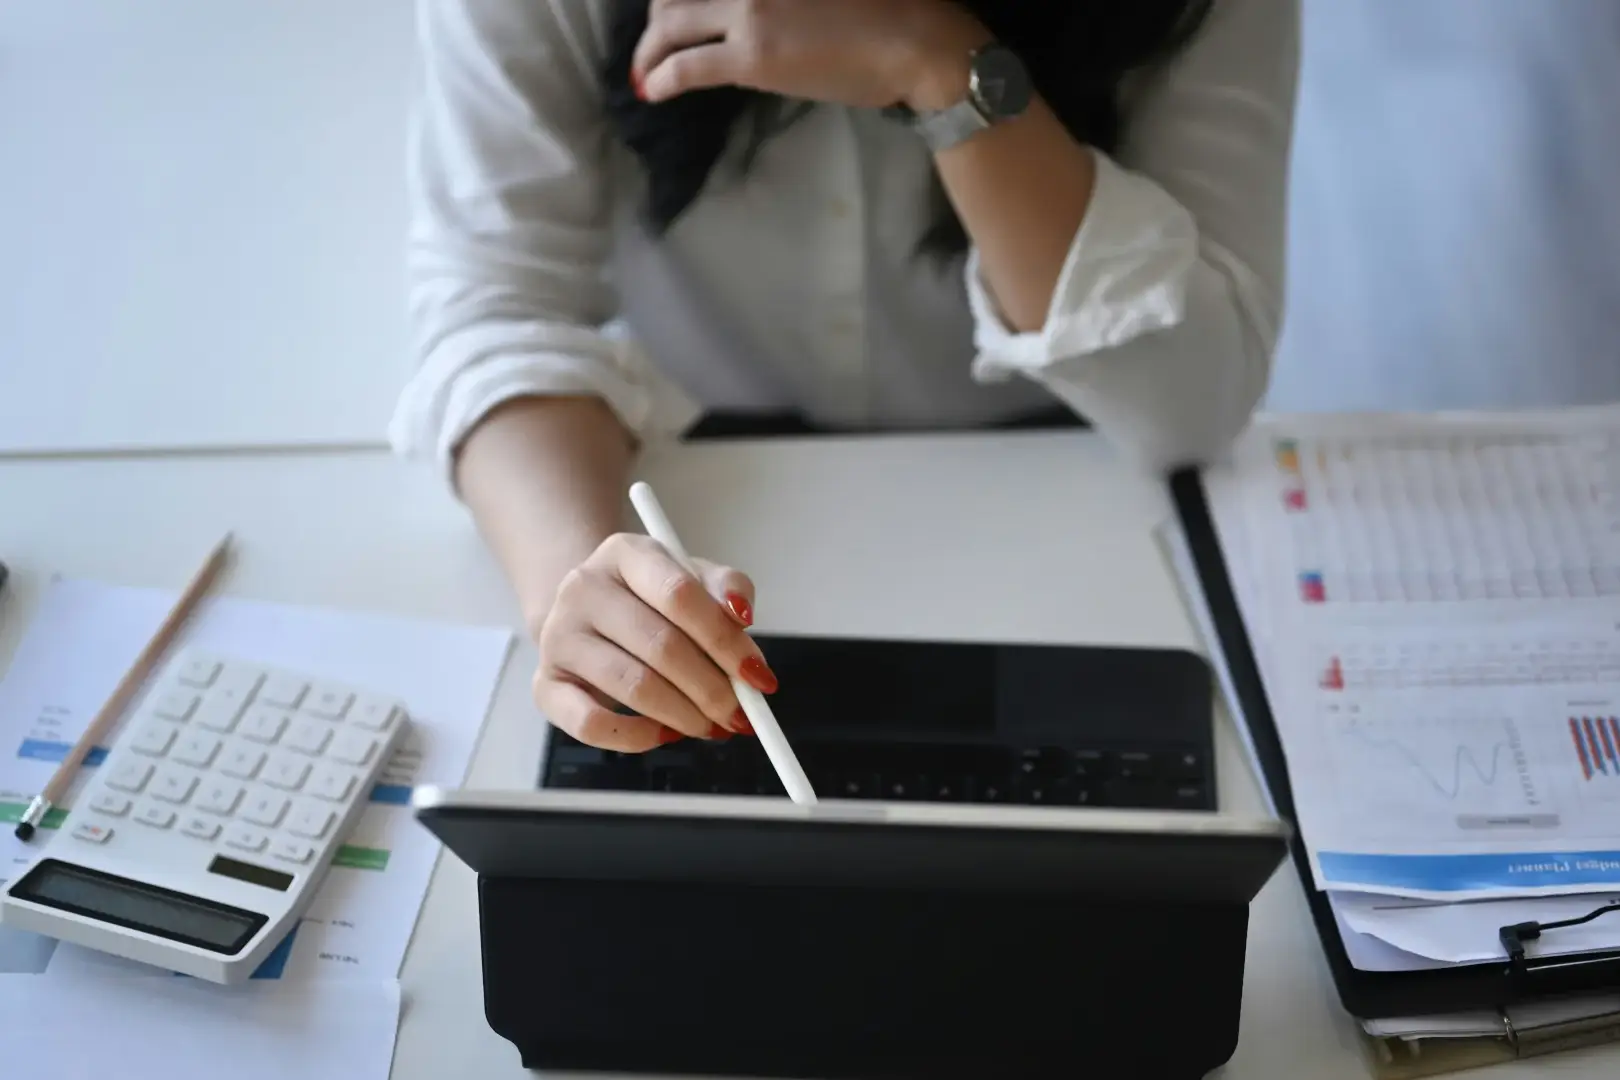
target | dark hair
[{"x": 1078, "y": 53}]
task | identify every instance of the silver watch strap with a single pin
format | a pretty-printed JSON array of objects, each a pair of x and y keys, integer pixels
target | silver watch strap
[{"x": 945, "y": 128}]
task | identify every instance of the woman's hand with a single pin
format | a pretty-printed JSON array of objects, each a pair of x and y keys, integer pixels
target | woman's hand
[
  {"x": 630, "y": 627},
  {"x": 863, "y": 53}
]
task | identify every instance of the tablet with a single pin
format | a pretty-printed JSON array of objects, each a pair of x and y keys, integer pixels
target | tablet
[{"x": 1187, "y": 857}]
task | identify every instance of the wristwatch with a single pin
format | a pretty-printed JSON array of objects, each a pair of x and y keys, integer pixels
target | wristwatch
[{"x": 999, "y": 89}]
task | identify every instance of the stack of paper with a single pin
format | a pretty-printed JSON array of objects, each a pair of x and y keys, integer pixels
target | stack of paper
[
  {"x": 343, "y": 959},
  {"x": 1434, "y": 604}
]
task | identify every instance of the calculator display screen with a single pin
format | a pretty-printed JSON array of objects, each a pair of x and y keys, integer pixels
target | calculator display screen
[{"x": 136, "y": 905}]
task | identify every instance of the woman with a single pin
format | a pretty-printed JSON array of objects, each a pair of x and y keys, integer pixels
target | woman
[{"x": 867, "y": 212}]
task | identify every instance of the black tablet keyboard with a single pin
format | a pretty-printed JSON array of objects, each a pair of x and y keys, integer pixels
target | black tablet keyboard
[{"x": 1158, "y": 778}]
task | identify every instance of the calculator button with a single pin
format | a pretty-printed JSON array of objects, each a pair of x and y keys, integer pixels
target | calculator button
[
  {"x": 374, "y": 714},
  {"x": 263, "y": 725},
  {"x": 265, "y": 810},
  {"x": 237, "y": 685},
  {"x": 220, "y": 797},
  {"x": 293, "y": 851},
  {"x": 174, "y": 786},
  {"x": 154, "y": 739},
  {"x": 159, "y": 817},
  {"x": 283, "y": 691},
  {"x": 239, "y": 836},
  {"x": 96, "y": 834},
  {"x": 199, "y": 671},
  {"x": 330, "y": 783},
  {"x": 200, "y": 827},
  {"x": 197, "y": 749},
  {"x": 309, "y": 736},
  {"x": 330, "y": 702},
  {"x": 311, "y": 820},
  {"x": 110, "y": 804},
  {"x": 353, "y": 748},
  {"x": 286, "y": 772},
  {"x": 219, "y": 714},
  {"x": 242, "y": 762},
  {"x": 176, "y": 705},
  {"x": 131, "y": 776}
]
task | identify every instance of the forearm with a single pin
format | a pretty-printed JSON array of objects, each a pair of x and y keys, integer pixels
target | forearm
[
  {"x": 1021, "y": 188},
  {"x": 545, "y": 481}
]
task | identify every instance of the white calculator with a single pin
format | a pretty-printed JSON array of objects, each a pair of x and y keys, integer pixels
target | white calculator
[{"x": 201, "y": 838}]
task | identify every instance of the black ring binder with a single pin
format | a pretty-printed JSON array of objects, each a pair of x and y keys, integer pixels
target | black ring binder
[{"x": 1367, "y": 995}]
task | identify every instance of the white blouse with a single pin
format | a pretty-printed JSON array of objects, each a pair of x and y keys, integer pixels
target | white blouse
[{"x": 798, "y": 285}]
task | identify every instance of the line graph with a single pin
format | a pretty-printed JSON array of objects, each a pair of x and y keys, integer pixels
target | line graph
[
  {"x": 1432, "y": 766},
  {"x": 1463, "y": 757}
]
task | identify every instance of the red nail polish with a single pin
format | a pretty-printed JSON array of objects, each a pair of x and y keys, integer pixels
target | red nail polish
[
  {"x": 738, "y": 603},
  {"x": 669, "y": 735},
  {"x": 757, "y": 675},
  {"x": 740, "y": 724},
  {"x": 638, "y": 86}
]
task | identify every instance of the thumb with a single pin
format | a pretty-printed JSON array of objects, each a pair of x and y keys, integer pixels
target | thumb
[{"x": 733, "y": 588}]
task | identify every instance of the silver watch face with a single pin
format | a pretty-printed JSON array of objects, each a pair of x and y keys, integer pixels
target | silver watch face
[{"x": 1001, "y": 83}]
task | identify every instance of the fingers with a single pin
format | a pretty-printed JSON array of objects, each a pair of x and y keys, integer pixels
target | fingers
[
  {"x": 604, "y": 666},
  {"x": 734, "y": 588},
  {"x": 652, "y": 574},
  {"x": 647, "y": 635},
  {"x": 676, "y": 25},
  {"x": 575, "y": 710}
]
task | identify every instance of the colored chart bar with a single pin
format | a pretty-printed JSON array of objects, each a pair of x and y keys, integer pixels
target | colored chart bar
[
  {"x": 44, "y": 750},
  {"x": 1597, "y": 745}
]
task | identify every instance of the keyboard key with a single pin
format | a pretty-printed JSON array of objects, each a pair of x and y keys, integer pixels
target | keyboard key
[
  {"x": 110, "y": 804},
  {"x": 265, "y": 809},
  {"x": 1134, "y": 765},
  {"x": 286, "y": 772},
  {"x": 353, "y": 748},
  {"x": 219, "y": 714},
  {"x": 374, "y": 713},
  {"x": 1185, "y": 765},
  {"x": 989, "y": 791},
  {"x": 947, "y": 789},
  {"x": 201, "y": 828},
  {"x": 220, "y": 797},
  {"x": 242, "y": 762},
  {"x": 283, "y": 691},
  {"x": 176, "y": 705},
  {"x": 154, "y": 739},
  {"x": 293, "y": 851},
  {"x": 329, "y": 702},
  {"x": 905, "y": 789},
  {"x": 263, "y": 725},
  {"x": 240, "y": 836},
  {"x": 331, "y": 783},
  {"x": 91, "y": 832},
  {"x": 158, "y": 817},
  {"x": 173, "y": 785},
  {"x": 309, "y": 736},
  {"x": 1190, "y": 796},
  {"x": 200, "y": 671},
  {"x": 311, "y": 820},
  {"x": 197, "y": 749},
  {"x": 856, "y": 786},
  {"x": 131, "y": 776},
  {"x": 1088, "y": 764}
]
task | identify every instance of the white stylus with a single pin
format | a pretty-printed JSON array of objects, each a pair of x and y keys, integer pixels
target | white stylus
[{"x": 753, "y": 702}]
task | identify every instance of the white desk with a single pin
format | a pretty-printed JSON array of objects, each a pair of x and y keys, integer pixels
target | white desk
[
  {"x": 1035, "y": 536},
  {"x": 202, "y": 215}
]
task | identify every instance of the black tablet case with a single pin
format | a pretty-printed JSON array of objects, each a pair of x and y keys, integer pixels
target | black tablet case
[{"x": 1365, "y": 994}]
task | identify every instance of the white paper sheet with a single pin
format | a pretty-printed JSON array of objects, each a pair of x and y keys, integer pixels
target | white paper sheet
[
  {"x": 1469, "y": 932},
  {"x": 1435, "y": 608},
  {"x": 84, "y": 636},
  {"x": 181, "y": 1029}
]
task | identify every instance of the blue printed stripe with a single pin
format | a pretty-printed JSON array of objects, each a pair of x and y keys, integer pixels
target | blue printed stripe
[
  {"x": 43, "y": 750},
  {"x": 1459, "y": 873},
  {"x": 392, "y": 794}
]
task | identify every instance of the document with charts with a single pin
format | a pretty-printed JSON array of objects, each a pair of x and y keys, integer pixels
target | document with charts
[{"x": 1435, "y": 608}]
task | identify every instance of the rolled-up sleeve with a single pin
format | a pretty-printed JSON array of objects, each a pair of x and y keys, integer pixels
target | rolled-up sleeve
[
  {"x": 510, "y": 230},
  {"x": 1166, "y": 314}
]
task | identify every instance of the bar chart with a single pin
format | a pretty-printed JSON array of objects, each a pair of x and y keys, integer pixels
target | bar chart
[{"x": 1597, "y": 746}]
